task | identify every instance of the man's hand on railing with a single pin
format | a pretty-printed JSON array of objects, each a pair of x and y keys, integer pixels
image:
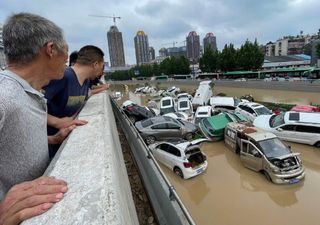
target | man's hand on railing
[
  {"x": 61, "y": 135},
  {"x": 64, "y": 122},
  {"x": 97, "y": 89},
  {"x": 30, "y": 199}
]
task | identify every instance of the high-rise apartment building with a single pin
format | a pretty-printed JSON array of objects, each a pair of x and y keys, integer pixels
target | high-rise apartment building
[
  {"x": 152, "y": 53},
  {"x": 141, "y": 45},
  {"x": 193, "y": 47},
  {"x": 210, "y": 42},
  {"x": 115, "y": 44}
]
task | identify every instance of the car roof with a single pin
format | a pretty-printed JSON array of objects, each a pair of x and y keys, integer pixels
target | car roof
[
  {"x": 218, "y": 121},
  {"x": 252, "y": 104},
  {"x": 166, "y": 98},
  {"x": 204, "y": 109},
  {"x": 218, "y": 100},
  {"x": 302, "y": 117},
  {"x": 255, "y": 133}
]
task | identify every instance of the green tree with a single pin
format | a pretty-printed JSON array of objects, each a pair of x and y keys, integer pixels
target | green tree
[
  {"x": 228, "y": 59},
  {"x": 209, "y": 62}
]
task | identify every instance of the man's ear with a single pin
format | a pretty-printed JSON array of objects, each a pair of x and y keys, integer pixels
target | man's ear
[{"x": 49, "y": 49}]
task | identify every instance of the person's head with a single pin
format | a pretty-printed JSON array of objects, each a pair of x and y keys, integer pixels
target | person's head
[
  {"x": 29, "y": 37},
  {"x": 73, "y": 58},
  {"x": 92, "y": 56}
]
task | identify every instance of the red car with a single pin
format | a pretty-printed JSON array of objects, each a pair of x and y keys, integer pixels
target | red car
[{"x": 305, "y": 108}]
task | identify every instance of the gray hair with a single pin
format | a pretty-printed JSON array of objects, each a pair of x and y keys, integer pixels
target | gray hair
[{"x": 24, "y": 34}]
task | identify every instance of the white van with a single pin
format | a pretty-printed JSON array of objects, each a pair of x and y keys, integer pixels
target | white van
[{"x": 203, "y": 94}]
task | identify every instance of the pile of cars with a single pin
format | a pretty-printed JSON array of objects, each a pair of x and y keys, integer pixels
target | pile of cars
[{"x": 248, "y": 128}]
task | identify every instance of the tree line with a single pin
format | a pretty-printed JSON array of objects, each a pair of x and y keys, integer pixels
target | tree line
[{"x": 248, "y": 57}]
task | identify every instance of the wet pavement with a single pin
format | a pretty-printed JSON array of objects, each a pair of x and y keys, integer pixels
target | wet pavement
[{"x": 227, "y": 193}]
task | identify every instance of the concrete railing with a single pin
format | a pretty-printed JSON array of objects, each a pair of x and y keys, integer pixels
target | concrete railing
[{"x": 91, "y": 162}]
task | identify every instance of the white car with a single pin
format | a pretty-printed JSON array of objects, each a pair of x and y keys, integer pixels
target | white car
[
  {"x": 252, "y": 109},
  {"x": 185, "y": 95},
  {"x": 201, "y": 113},
  {"x": 185, "y": 106},
  {"x": 184, "y": 159},
  {"x": 178, "y": 115},
  {"x": 167, "y": 105},
  {"x": 301, "y": 127},
  {"x": 222, "y": 103}
]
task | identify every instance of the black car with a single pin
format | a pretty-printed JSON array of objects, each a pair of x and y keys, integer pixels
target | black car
[{"x": 136, "y": 112}]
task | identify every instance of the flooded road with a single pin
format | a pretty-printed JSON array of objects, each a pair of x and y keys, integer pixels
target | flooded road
[{"x": 227, "y": 193}]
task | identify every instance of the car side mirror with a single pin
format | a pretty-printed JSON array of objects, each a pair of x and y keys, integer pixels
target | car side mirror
[
  {"x": 279, "y": 129},
  {"x": 255, "y": 114}
]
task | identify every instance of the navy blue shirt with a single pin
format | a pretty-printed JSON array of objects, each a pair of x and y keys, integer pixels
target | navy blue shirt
[{"x": 66, "y": 96}]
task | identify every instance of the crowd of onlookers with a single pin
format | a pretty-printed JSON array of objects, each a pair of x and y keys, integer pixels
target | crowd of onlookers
[{"x": 40, "y": 98}]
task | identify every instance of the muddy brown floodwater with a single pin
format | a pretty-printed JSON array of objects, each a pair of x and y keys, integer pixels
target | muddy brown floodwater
[{"x": 227, "y": 193}]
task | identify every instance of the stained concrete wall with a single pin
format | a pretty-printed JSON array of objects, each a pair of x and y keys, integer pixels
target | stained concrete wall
[{"x": 91, "y": 162}]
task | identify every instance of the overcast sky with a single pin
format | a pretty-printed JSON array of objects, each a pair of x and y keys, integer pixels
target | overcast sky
[{"x": 167, "y": 21}]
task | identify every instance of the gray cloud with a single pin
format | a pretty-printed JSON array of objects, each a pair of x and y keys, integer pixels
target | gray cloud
[{"x": 232, "y": 21}]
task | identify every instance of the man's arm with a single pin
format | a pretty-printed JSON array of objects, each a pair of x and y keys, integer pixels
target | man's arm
[
  {"x": 64, "y": 122},
  {"x": 97, "y": 89},
  {"x": 30, "y": 199}
]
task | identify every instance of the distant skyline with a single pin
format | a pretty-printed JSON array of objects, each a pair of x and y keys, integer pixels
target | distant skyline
[{"x": 168, "y": 21}]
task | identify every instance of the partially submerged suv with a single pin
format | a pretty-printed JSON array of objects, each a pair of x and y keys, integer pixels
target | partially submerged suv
[
  {"x": 263, "y": 152},
  {"x": 301, "y": 127},
  {"x": 184, "y": 158}
]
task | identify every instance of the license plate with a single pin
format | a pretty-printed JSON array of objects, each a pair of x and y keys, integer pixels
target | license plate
[
  {"x": 293, "y": 181},
  {"x": 200, "y": 170}
]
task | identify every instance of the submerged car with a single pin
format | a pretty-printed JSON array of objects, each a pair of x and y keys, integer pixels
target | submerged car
[
  {"x": 301, "y": 127},
  {"x": 264, "y": 152},
  {"x": 167, "y": 105},
  {"x": 185, "y": 106},
  {"x": 213, "y": 127},
  {"x": 165, "y": 128},
  {"x": 184, "y": 159},
  {"x": 201, "y": 113}
]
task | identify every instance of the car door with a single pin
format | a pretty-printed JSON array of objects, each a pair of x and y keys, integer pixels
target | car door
[
  {"x": 250, "y": 156},
  {"x": 307, "y": 134},
  {"x": 173, "y": 157},
  {"x": 174, "y": 130},
  {"x": 287, "y": 132},
  {"x": 159, "y": 152},
  {"x": 166, "y": 155},
  {"x": 159, "y": 131}
]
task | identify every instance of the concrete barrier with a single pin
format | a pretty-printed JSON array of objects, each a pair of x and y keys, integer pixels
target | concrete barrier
[{"x": 91, "y": 161}]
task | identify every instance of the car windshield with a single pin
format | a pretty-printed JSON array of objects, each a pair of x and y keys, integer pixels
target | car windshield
[
  {"x": 166, "y": 102},
  {"x": 276, "y": 120},
  {"x": 262, "y": 111},
  {"x": 183, "y": 104},
  {"x": 273, "y": 148}
]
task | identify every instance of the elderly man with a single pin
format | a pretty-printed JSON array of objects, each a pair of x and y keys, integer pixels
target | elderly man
[{"x": 36, "y": 53}]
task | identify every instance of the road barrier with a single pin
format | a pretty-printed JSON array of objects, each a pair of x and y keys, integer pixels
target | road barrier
[{"x": 165, "y": 201}]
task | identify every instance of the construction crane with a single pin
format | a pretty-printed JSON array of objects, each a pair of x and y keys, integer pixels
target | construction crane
[
  {"x": 172, "y": 43},
  {"x": 113, "y": 17}
]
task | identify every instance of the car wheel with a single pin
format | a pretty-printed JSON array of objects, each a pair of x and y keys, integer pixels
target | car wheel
[
  {"x": 178, "y": 172},
  {"x": 150, "y": 140},
  {"x": 189, "y": 136},
  {"x": 317, "y": 144},
  {"x": 266, "y": 174},
  {"x": 132, "y": 119}
]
